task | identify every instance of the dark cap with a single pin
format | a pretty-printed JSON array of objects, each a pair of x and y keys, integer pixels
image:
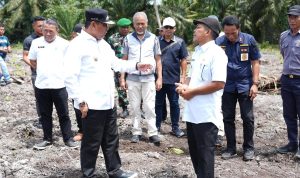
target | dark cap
[
  {"x": 294, "y": 10},
  {"x": 77, "y": 28},
  {"x": 211, "y": 23},
  {"x": 99, "y": 15},
  {"x": 124, "y": 22}
]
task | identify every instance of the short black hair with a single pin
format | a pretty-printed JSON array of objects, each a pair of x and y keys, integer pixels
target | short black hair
[
  {"x": 1, "y": 24},
  {"x": 38, "y": 18},
  {"x": 231, "y": 20}
]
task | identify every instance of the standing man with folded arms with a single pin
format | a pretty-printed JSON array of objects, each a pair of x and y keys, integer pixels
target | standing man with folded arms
[{"x": 290, "y": 80}]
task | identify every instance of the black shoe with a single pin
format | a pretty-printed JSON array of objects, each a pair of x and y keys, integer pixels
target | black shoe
[
  {"x": 297, "y": 155},
  {"x": 227, "y": 154},
  {"x": 155, "y": 140},
  {"x": 128, "y": 175},
  {"x": 248, "y": 155},
  {"x": 135, "y": 138},
  {"x": 287, "y": 149},
  {"x": 219, "y": 141},
  {"x": 42, "y": 145},
  {"x": 71, "y": 143},
  {"x": 124, "y": 114},
  {"x": 177, "y": 132}
]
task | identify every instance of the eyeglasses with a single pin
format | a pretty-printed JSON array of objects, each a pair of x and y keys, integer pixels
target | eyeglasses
[{"x": 168, "y": 27}]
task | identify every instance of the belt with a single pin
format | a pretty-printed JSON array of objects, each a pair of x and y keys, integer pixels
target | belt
[{"x": 291, "y": 76}]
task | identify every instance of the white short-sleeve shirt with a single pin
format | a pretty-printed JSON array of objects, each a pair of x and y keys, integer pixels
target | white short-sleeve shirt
[
  {"x": 209, "y": 63},
  {"x": 49, "y": 58}
]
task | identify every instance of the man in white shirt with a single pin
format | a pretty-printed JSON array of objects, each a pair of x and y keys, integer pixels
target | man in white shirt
[
  {"x": 203, "y": 91},
  {"x": 46, "y": 56},
  {"x": 89, "y": 61}
]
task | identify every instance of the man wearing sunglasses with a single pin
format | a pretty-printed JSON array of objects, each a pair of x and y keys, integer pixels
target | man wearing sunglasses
[{"x": 173, "y": 58}]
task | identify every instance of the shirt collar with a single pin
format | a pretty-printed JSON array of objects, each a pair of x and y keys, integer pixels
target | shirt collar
[
  {"x": 87, "y": 36},
  {"x": 204, "y": 47},
  {"x": 290, "y": 32},
  {"x": 240, "y": 38},
  {"x": 146, "y": 35},
  {"x": 172, "y": 39}
]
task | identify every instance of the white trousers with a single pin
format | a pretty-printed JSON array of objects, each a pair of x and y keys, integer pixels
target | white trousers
[{"x": 145, "y": 91}]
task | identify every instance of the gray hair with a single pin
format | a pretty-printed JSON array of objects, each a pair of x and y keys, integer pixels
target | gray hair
[
  {"x": 140, "y": 14},
  {"x": 51, "y": 22}
]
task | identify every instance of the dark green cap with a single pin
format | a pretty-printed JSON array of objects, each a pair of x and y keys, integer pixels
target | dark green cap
[{"x": 123, "y": 22}]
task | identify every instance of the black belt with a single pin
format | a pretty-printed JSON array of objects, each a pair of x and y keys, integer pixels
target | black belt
[{"x": 291, "y": 76}]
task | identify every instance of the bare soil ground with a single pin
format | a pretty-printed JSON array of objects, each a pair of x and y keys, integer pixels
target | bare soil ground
[{"x": 18, "y": 135}]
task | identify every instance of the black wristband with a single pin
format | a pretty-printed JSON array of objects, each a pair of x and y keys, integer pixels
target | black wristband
[{"x": 136, "y": 66}]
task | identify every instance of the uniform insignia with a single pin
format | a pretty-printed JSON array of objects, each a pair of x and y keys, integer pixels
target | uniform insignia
[
  {"x": 223, "y": 47},
  {"x": 41, "y": 46},
  {"x": 297, "y": 43},
  {"x": 244, "y": 52}
]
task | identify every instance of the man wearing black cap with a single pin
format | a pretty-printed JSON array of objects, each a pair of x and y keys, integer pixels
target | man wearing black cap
[
  {"x": 89, "y": 58},
  {"x": 241, "y": 84},
  {"x": 290, "y": 80},
  {"x": 37, "y": 23},
  {"x": 116, "y": 42},
  {"x": 203, "y": 90}
]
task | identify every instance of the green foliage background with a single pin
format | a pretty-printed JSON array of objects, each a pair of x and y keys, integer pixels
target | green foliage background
[{"x": 265, "y": 19}]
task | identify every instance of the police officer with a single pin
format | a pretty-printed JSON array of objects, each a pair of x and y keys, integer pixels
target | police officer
[
  {"x": 241, "y": 84},
  {"x": 116, "y": 41},
  {"x": 290, "y": 79}
]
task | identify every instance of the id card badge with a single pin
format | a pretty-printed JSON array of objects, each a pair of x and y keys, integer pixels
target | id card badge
[{"x": 244, "y": 52}]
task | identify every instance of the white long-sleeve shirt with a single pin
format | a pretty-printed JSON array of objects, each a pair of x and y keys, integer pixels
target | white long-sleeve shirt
[{"x": 88, "y": 71}]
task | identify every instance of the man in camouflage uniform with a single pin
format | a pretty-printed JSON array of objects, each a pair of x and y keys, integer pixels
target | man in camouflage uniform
[{"x": 116, "y": 41}]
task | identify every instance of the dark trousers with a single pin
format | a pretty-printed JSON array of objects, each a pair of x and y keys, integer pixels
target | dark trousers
[
  {"x": 78, "y": 118},
  {"x": 100, "y": 129},
  {"x": 229, "y": 101},
  {"x": 290, "y": 93},
  {"x": 33, "y": 77},
  {"x": 46, "y": 98},
  {"x": 173, "y": 97},
  {"x": 201, "y": 139}
]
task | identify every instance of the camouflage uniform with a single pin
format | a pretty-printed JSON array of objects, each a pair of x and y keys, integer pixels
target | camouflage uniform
[{"x": 116, "y": 41}]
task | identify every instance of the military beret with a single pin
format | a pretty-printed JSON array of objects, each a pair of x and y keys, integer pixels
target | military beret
[
  {"x": 123, "y": 22},
  {"x": 99, "y": 15}
]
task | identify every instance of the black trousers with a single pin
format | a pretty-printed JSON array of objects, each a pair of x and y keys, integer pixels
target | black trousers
[
  {"x": 100, "y": 129},
  {"x": 78, "y": 118},
  {"x": 46, "y": 98},
  {"x": 201, "y": 139},
  {"x": 229, "y": 101}
]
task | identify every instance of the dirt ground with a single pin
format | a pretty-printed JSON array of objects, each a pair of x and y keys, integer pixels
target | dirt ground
[{"x": 18, "y": 135}]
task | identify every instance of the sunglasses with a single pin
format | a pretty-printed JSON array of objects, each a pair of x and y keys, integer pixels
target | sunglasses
[{"x": 168, "y": 27}]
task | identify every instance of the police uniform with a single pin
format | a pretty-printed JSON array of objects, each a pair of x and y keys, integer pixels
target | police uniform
[
  {"x": 116, "y": 42},
  {"x": 290, "y": 84},
  {"x": 238, "y": 84}
]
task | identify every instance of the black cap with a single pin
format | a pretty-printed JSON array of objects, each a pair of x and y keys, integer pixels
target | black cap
[
  {"x": 77, "y": 28},
  {"x": 211, "y": 23},
  {"x": 294, "y": 10},
  {"x": 99, "y": 15}
]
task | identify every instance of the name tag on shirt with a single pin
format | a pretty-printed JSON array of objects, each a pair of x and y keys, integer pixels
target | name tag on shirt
[
  {"x": 41, "y": 46},
  {"x": 244, "y": 52}
]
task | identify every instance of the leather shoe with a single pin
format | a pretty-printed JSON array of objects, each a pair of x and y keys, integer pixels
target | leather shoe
[
  {"x": 248, "y": 155},
  {"x": 287, "y": 149},
  {"x": 228, "y": 154},
  {"x": 297, "y": 155},
  {"x": 135, "y": 138}
]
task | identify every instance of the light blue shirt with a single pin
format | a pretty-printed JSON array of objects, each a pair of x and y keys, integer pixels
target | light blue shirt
[{"x": 290, "y": 50}]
